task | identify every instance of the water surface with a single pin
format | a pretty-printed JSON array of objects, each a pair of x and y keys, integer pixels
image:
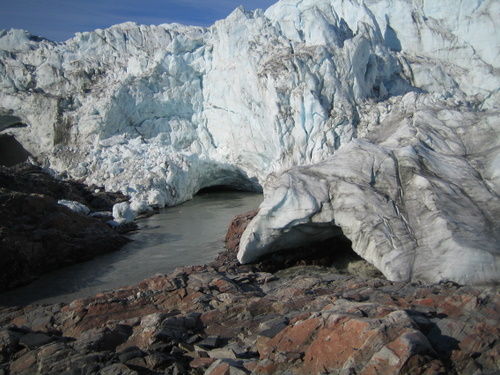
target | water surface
[{"x": 189, "y": 234}]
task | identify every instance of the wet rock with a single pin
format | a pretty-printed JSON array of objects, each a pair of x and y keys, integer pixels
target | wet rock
[
  {"x": 31, "y": 179},
  {"x": 103, "y": 215},
  {"x": 122, "y": 227}
]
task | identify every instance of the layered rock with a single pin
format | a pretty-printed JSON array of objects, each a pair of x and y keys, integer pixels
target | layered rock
[
  {"x": 236, "y": 229},
  {"x": 304, "y": 320}
]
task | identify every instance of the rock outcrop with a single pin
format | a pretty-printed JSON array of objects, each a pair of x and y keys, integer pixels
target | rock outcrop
[
  {"x": 303, "y": 320},
  {"x": 397, "y": 101},
  {"x": 37, "y": 234},
  {"x": 236, "y": 229}
]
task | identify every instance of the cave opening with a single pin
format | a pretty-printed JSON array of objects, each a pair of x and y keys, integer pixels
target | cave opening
[
  {"x": 11, "y": 151},
  {"x": 222, "y": 189},
  {"x": 334, "y": 253},
  {"x": 218, "y": 178}
]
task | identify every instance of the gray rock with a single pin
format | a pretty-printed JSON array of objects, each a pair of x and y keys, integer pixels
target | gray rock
[
  {"x": 234, "y": 367},
  {"x": 9, "y": 340},
  {"x": 157, "y": 360},
  {"x": 222, "y": 353},
  {"x": 117, "y": 369},
  {"x": 103, "y": 338},
  {"x": 271, "y": 327},
  {"x": 130, "y": 353},
  {"x": 211, "y": 342}
]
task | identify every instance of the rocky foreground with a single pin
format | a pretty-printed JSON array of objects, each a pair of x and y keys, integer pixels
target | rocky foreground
[
  {"x": 224, "y": 318},
  {"x": 38, "y": 234}
]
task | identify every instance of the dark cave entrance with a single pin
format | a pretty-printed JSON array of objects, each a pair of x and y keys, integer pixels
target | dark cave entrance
[
  {"x": 324, "y": 246},
  {"x": 11, "y": 151},
  {"x": 222, "y": 189},
  {"x": 223, "y": 178},
  {"x": 335, "y": 253}
]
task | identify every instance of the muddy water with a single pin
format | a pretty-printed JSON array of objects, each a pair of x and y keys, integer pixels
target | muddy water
[{"x": 192, "y": 233}]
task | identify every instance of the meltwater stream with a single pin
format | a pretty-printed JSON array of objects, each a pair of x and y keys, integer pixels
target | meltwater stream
[{"x": 189, "y": 234}]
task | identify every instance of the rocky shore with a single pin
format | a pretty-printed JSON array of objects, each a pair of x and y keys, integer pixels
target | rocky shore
[
  {"x": 225, "y": 318},
  {"x": 39, "y": 234}
]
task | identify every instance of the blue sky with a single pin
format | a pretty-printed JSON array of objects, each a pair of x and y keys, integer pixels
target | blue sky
[{"x": 59, "y": 19}]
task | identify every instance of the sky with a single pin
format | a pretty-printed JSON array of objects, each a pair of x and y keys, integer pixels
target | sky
[{"x": 58, "y": 20}]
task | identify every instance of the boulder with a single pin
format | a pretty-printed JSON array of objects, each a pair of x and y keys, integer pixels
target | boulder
[{"x": 236, "y": 228}]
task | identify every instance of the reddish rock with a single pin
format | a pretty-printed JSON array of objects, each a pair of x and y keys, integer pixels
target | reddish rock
[
  {"x": 305, "y": 320},
  {"x": 409, "y": 353},
  {"x": 218, "y": 368},
  {"x": 236, "y": 229},
  {"x": 265, "y": 367},
  {"x": 335, "y": 344},
  {"x": 250, "y": 366},
  {"x": 291, "y": 339},
  {"x": 201, "y": 362},
  {"x": 332, "y": 342},
  {"x": 24, "y": 364},
  {"x": 224, "y": 285}
]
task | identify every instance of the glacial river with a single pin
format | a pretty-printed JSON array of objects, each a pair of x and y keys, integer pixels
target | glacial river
[{"x": 189, "y": 234}]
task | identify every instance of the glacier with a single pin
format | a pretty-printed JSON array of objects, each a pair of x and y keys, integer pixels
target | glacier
[{"x": 379, "y": 119}]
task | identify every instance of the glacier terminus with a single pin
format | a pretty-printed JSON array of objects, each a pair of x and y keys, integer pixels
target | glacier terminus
[{"x": 374, "y": 119}]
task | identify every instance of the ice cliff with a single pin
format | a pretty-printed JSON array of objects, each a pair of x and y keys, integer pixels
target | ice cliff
[{"x": 379, "y": 118}]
